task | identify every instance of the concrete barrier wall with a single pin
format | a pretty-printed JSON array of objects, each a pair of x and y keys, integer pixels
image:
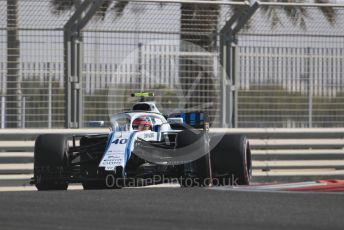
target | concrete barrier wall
[{"x": 278, "y": 154}]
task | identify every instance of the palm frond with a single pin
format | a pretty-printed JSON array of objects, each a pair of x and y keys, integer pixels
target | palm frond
[
  {"x": 58, "y": 6},
  {"x": 297, "y": 14},
  {"x": 119, "y": 7},
  {"x": 101, "y": 12},
  {"x": 328, "y": 12},
  {"x": 275, "y": 20}
]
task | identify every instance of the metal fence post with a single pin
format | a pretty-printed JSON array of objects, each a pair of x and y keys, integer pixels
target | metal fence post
[
  {"x": 80, "y": 71},
  {"x": 67, "y": 76},
  {"x": 14, "y": 79},
  {"x": 23, "y": 112},
  {"x": 74, "y": 61},
  {"x": 228, "y": 56},
  {"x": 230, "y": 88},
  {"x": 3, "y": 115},
  {"x": 223, "y": 58},
  {"x": 235, "y": 84},
  {"x": 140, "y": 59},
  {"x": 310, "y": 91},
  {"x": 49, "y": 95}
]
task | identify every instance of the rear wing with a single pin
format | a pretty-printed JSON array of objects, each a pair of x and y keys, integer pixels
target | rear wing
[{"x": 197, "y": 120}]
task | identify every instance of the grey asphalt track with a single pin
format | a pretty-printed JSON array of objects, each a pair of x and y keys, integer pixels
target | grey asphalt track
[{"x": 170, "y": 208}]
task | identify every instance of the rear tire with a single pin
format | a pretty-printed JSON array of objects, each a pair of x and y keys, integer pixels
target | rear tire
[
  {"x": 231, "y": 160},
  {"x": 50, "y": 162},
  {"x": 196, "y": 173}
]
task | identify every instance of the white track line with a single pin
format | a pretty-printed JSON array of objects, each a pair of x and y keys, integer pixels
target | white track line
[
  {"x": 295, "y": 172},
  {"x": 167, "y": 185},
  {"x": 32, "y": 188},
  {"x": 79, "y": 187},
  {"x": 16, "y": 154},
  {"x": 16, "y": 176},
  {"x": 282, "y": 163},
  {"x": 22, "y": 166}
]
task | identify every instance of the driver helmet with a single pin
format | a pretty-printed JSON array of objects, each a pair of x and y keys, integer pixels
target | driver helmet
[{"x": 142, "y": 124}]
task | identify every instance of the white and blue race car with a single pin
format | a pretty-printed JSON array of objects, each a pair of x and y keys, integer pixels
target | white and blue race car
[{"x": 143, "y": 147}]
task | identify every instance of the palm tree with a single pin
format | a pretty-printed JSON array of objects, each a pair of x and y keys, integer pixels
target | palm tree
[
  {"x": 60, "y": 6},
  {"x": 193, "y": 13},
  {"x": 13, "y": 89},
  {"x": 296, "y": 14}
]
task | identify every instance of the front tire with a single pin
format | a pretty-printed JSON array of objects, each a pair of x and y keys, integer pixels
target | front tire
[
  {"x": 231, "y": 160},
  {"x": 50, "y": 162}
]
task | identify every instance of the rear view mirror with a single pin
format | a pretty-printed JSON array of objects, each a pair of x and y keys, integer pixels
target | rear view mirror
[
  {"x": 175, "y": 120},
  {"x": 96, "y": 123}
]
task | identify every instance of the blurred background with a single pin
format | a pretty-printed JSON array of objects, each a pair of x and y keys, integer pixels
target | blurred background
[
  {"x": 273, "y": 64},
  {"x": 272, "y": 70}
]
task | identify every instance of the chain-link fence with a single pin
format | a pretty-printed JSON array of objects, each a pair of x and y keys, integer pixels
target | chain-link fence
[
  {"x": 155, "y": 47},
  {"x": 284, "y": 67},
  {"x": 31, "y": 60},
  {"x": 290, "y": 68}
]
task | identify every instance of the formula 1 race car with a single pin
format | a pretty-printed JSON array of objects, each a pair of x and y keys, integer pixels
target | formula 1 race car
[{"x": 143, "y": 147}]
